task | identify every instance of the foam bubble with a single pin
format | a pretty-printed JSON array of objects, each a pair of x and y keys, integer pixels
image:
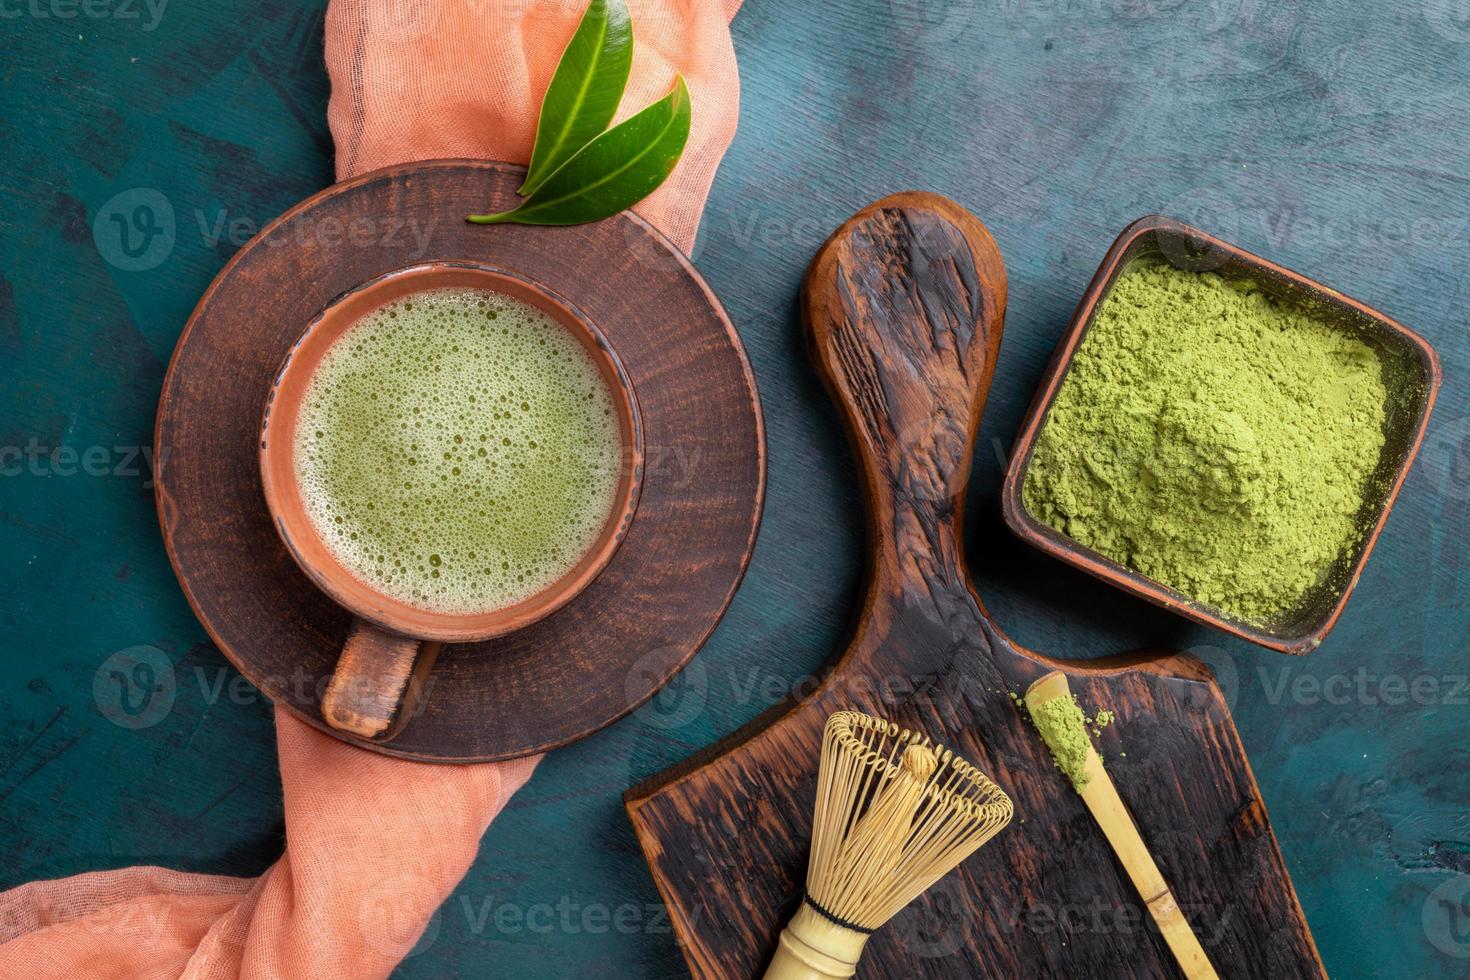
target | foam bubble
[{"x": 458, "y": 450}]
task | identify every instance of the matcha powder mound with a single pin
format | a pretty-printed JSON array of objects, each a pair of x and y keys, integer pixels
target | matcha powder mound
[
  {"x": 1213, "y": 439},
  {"x": 1063, "y": 727}
]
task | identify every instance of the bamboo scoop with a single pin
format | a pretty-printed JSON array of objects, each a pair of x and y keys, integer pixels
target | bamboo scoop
[
  {"x": 893, "y": 815},
  {"x": 1102, "y": 798}
]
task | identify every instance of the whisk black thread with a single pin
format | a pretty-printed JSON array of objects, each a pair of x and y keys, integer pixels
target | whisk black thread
[{"x": 830, "y": 917}]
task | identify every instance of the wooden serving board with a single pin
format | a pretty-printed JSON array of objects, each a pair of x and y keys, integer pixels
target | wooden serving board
[{"x": 904, "y": 309}]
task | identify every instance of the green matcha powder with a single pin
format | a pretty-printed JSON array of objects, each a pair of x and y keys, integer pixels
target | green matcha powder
[
  {"x": 1063, "y": 728},
  {"x": 1212, "y": 438}
]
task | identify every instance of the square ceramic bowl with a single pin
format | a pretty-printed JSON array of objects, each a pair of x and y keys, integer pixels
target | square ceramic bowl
[{"x": 1411, "y": 377}]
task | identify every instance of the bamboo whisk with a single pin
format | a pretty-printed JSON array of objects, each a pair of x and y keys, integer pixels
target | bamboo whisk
[{"x": 893, "y": 815}]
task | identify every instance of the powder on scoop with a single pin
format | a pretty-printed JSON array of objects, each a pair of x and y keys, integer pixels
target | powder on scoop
[
  {"x": 1063, "y": 727},
  {"x": 1213, "y": 439}
]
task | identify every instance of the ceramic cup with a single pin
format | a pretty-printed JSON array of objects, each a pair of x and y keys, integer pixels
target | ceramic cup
[{"x": 391, "y": 645}]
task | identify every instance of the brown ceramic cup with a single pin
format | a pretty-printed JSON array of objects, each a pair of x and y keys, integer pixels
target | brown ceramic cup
[{"x": 392, "y": 644}]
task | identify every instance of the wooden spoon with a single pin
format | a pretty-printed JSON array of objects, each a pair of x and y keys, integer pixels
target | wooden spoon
[{"x": 1102, "y": 798}]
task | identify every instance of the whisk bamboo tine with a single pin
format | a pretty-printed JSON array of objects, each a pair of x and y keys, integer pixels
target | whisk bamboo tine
[{"x": 894, "y": 813}]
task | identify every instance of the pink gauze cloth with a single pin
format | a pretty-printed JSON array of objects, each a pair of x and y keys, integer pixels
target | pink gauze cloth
[{"x": 374, "y": 845}]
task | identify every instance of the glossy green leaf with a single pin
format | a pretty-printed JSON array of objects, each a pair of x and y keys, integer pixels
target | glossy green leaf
[
  {"x": 585, "y": 90},
  {"x": 613, "y": 172}
]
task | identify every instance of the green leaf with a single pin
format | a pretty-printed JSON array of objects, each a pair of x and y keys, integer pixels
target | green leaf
[
  {"x": 585, "y": 90},
  {"x": 613, "y": 172}
]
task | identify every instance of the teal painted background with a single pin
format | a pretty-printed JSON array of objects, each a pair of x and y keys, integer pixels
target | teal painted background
[{"x": 1331, "y": 136}]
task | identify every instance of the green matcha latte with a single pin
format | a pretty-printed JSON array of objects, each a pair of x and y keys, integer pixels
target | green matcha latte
[{"x": 458, "y": 450}]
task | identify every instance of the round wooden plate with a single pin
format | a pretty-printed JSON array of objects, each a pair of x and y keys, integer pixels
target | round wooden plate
[{"x": 620, "y": 640}]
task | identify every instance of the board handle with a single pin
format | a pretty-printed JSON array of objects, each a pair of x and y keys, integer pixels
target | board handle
[{"x": 904, "y": 307}]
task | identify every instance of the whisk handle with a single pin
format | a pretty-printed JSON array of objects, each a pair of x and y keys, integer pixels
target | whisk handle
[{"x": 814, "y": 947}]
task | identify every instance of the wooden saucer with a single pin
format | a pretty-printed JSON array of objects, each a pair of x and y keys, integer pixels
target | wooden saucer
[{"x": 642, "y": 619}]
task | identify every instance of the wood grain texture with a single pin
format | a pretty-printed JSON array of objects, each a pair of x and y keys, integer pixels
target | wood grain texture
[
  {"x": 904, "y": 308},
  {"x": 612, "y": 647}
]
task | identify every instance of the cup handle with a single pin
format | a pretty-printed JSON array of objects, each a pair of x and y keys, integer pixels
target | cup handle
[{"x": 379, "y": 675}]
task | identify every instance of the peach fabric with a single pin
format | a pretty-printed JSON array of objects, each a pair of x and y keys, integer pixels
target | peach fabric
[
  {"x": 375, "y": 845},
  {"x": 457, "y": 78}
]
